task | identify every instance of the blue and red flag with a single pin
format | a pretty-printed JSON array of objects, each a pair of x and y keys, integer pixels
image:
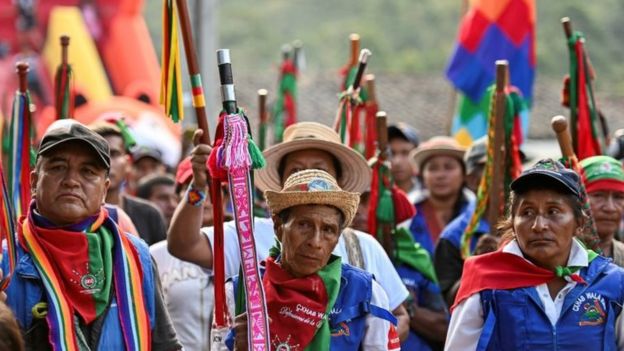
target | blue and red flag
[{"x": 491, "y": 30}]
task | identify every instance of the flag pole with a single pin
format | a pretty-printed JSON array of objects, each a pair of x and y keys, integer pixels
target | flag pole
[
  {"x": 382, "y": 144},
  {"x": 199, "y": 103},
  {"x": 559, "y": 125},
  {"x": 495, "y": 203}
]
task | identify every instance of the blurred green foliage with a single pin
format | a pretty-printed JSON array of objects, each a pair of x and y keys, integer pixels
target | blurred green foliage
[{"x": 406, "y": 36}]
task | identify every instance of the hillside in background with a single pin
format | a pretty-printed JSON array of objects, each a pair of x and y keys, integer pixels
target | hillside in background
[
  {"x": 411, "y": 43},
  {"x": 406, "y": 36}
]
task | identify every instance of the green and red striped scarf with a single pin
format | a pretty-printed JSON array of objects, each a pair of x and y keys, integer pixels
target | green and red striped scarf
[{"x": 79, "y": 265}]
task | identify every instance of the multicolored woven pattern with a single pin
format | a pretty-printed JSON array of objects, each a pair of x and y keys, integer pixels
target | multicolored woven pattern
[
  {"x": 171, "y": 76},
  {"x": 21, "y": 153},
  {"x": 491, "y": 30}
]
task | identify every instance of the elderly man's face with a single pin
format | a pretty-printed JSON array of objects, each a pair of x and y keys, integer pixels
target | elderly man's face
[
  {"x": 308, "y": 238},
  {"x": 69, "y": 183},
  {"x": 607, "y": 209},
  {"x": 308, "y": 159}
]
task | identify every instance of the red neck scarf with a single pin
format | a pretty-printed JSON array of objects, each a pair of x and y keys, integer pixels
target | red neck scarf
[
  {"x": 296, "y": 305},
  {"x": 503, "y": 270}
]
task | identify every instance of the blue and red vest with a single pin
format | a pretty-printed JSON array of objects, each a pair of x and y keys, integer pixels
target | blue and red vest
[
  {"x": 347, "y": 319},
  {"x": 515, "y": 319}
]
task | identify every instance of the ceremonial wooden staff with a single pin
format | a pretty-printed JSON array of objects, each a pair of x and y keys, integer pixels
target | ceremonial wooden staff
[
  {"x": 371, "y": 107},
  {"x": 20, "y": 144},
  {"x": 64, "y": 99},
  {"x": 236, "y": 155},
  {"x": 199, "y": 103},
  {"x": 262, "y": 110},
  {"x": 560, "y": 127},
  {"x": 349, "y": 99},
  {"x": 496, "y": 191},
  {"x": 587, "y": 130},
  {"x": 383, "y": 158}
]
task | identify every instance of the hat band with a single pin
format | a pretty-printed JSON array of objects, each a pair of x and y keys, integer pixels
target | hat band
[{"x": 605, "y": 185}]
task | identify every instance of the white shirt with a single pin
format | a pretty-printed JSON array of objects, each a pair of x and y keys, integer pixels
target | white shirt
[
  {"x": 188, "y": 292},
  {"x": 467, "y": 318},
  {"x": 376, "y": 261}
]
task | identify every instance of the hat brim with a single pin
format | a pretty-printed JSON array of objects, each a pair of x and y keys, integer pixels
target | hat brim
[
  {"x": 346, "y": 202},
  {"x": 355, "y": 176},
  {"x": 526, "y": 180},
  {"x": 420, "y": 156},
  {"x": 105, "y": 161}
]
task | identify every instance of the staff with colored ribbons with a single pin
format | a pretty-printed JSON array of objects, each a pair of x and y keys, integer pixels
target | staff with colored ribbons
[
  {"x": 21, "y": 154},
  {"x": 503, "y": 158},
  {"x": 587, "y": 135},
  {"x": 232, "y": 159},
  {"x": 64, "y": 95},
  {"x": 349, "y": 99},
  {"x": 560, "y": 127},
  {"x": 285, "y": 107},
  {"x": 7, "y": 230}
]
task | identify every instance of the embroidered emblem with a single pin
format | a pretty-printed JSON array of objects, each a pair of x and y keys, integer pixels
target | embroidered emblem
[
  {"x": 91, "y": 282},
  {"x": 279, "y": 345},
  {"x": 342, "y": 330},
  {"x": 593, "y": 309}
]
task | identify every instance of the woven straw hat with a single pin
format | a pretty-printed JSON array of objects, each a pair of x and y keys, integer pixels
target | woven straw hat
[
  {"x": 437, "y": 146},
  {"x": 313, "y": 187},
  {"x": 356, "y": 174}
]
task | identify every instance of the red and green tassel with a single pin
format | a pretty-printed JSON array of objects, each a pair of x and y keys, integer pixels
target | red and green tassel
[{"x": 285, "y": 108}]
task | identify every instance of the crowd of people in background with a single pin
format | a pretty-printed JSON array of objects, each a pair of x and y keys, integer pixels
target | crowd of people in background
[{"x": 141, "y": 196}]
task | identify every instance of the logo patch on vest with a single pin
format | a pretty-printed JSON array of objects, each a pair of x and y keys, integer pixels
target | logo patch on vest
[
  {"x": 341, "y": 330},
  {"x": 593, "y": 308}
]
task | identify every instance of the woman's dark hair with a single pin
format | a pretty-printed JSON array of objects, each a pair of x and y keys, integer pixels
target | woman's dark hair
[
  {"x": 505, "y": 226},
  {"x": 10, "y": 335}
]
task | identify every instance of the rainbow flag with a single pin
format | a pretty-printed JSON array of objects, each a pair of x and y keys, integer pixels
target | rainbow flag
[{"x": 491, "y": 30}]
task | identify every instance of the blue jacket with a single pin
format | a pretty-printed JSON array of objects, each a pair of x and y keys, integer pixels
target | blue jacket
[
  {"x": 515, "y": 319},
  {"x": 347, "y": 319},
  {"x": 26, "y": 290}
]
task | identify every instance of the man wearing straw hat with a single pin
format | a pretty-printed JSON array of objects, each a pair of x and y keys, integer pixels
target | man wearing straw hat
[
  {"x": 80, "y": 282},
  {"x": 307, "y": 145},
  {"x": 314, "y": 301}
]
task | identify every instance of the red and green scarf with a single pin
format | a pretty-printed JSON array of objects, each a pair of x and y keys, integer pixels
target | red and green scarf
[
  {"x": 299, "y": 307},
  {"x": 504, "y": 270},
  {"x": 78, "y": 266}
]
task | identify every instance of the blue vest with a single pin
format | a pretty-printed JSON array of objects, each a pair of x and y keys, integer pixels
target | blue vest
[
  {"x": 26, "y": 290},
  {"x": 515, "y": 319},
  {"x": 420, "y": 230},
  {"x": 454, "y": 231},
  {"x": 347, "y": 319}
]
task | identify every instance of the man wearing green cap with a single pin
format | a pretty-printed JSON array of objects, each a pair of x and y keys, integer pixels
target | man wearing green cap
[{"x": 603, "y": 177}]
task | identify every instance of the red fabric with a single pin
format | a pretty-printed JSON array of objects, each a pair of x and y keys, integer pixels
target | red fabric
[
  {"x": 219, "y": 257},
  {"x": 403, "y": 208},
  {"x": 374, "y": 201},
  {"x": 355, "y": 130},
  {"x": 604, "y": 184},
  {"x": 513, "y": 21},
  {"x": 216, "y": 171},
  {"x": 433, "y": 225},
  {"x": 296, "y": 305},
  {"x": 371, "y": 130},
  {"x": 69, "y": 256},
  {"x": 291, "y": 111},
  {"x": 394, "y": 343},
  {"x": 472, "y": 28},
  {"x": 499, "y": 270},
  {"x": 587, "y": 144}
]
